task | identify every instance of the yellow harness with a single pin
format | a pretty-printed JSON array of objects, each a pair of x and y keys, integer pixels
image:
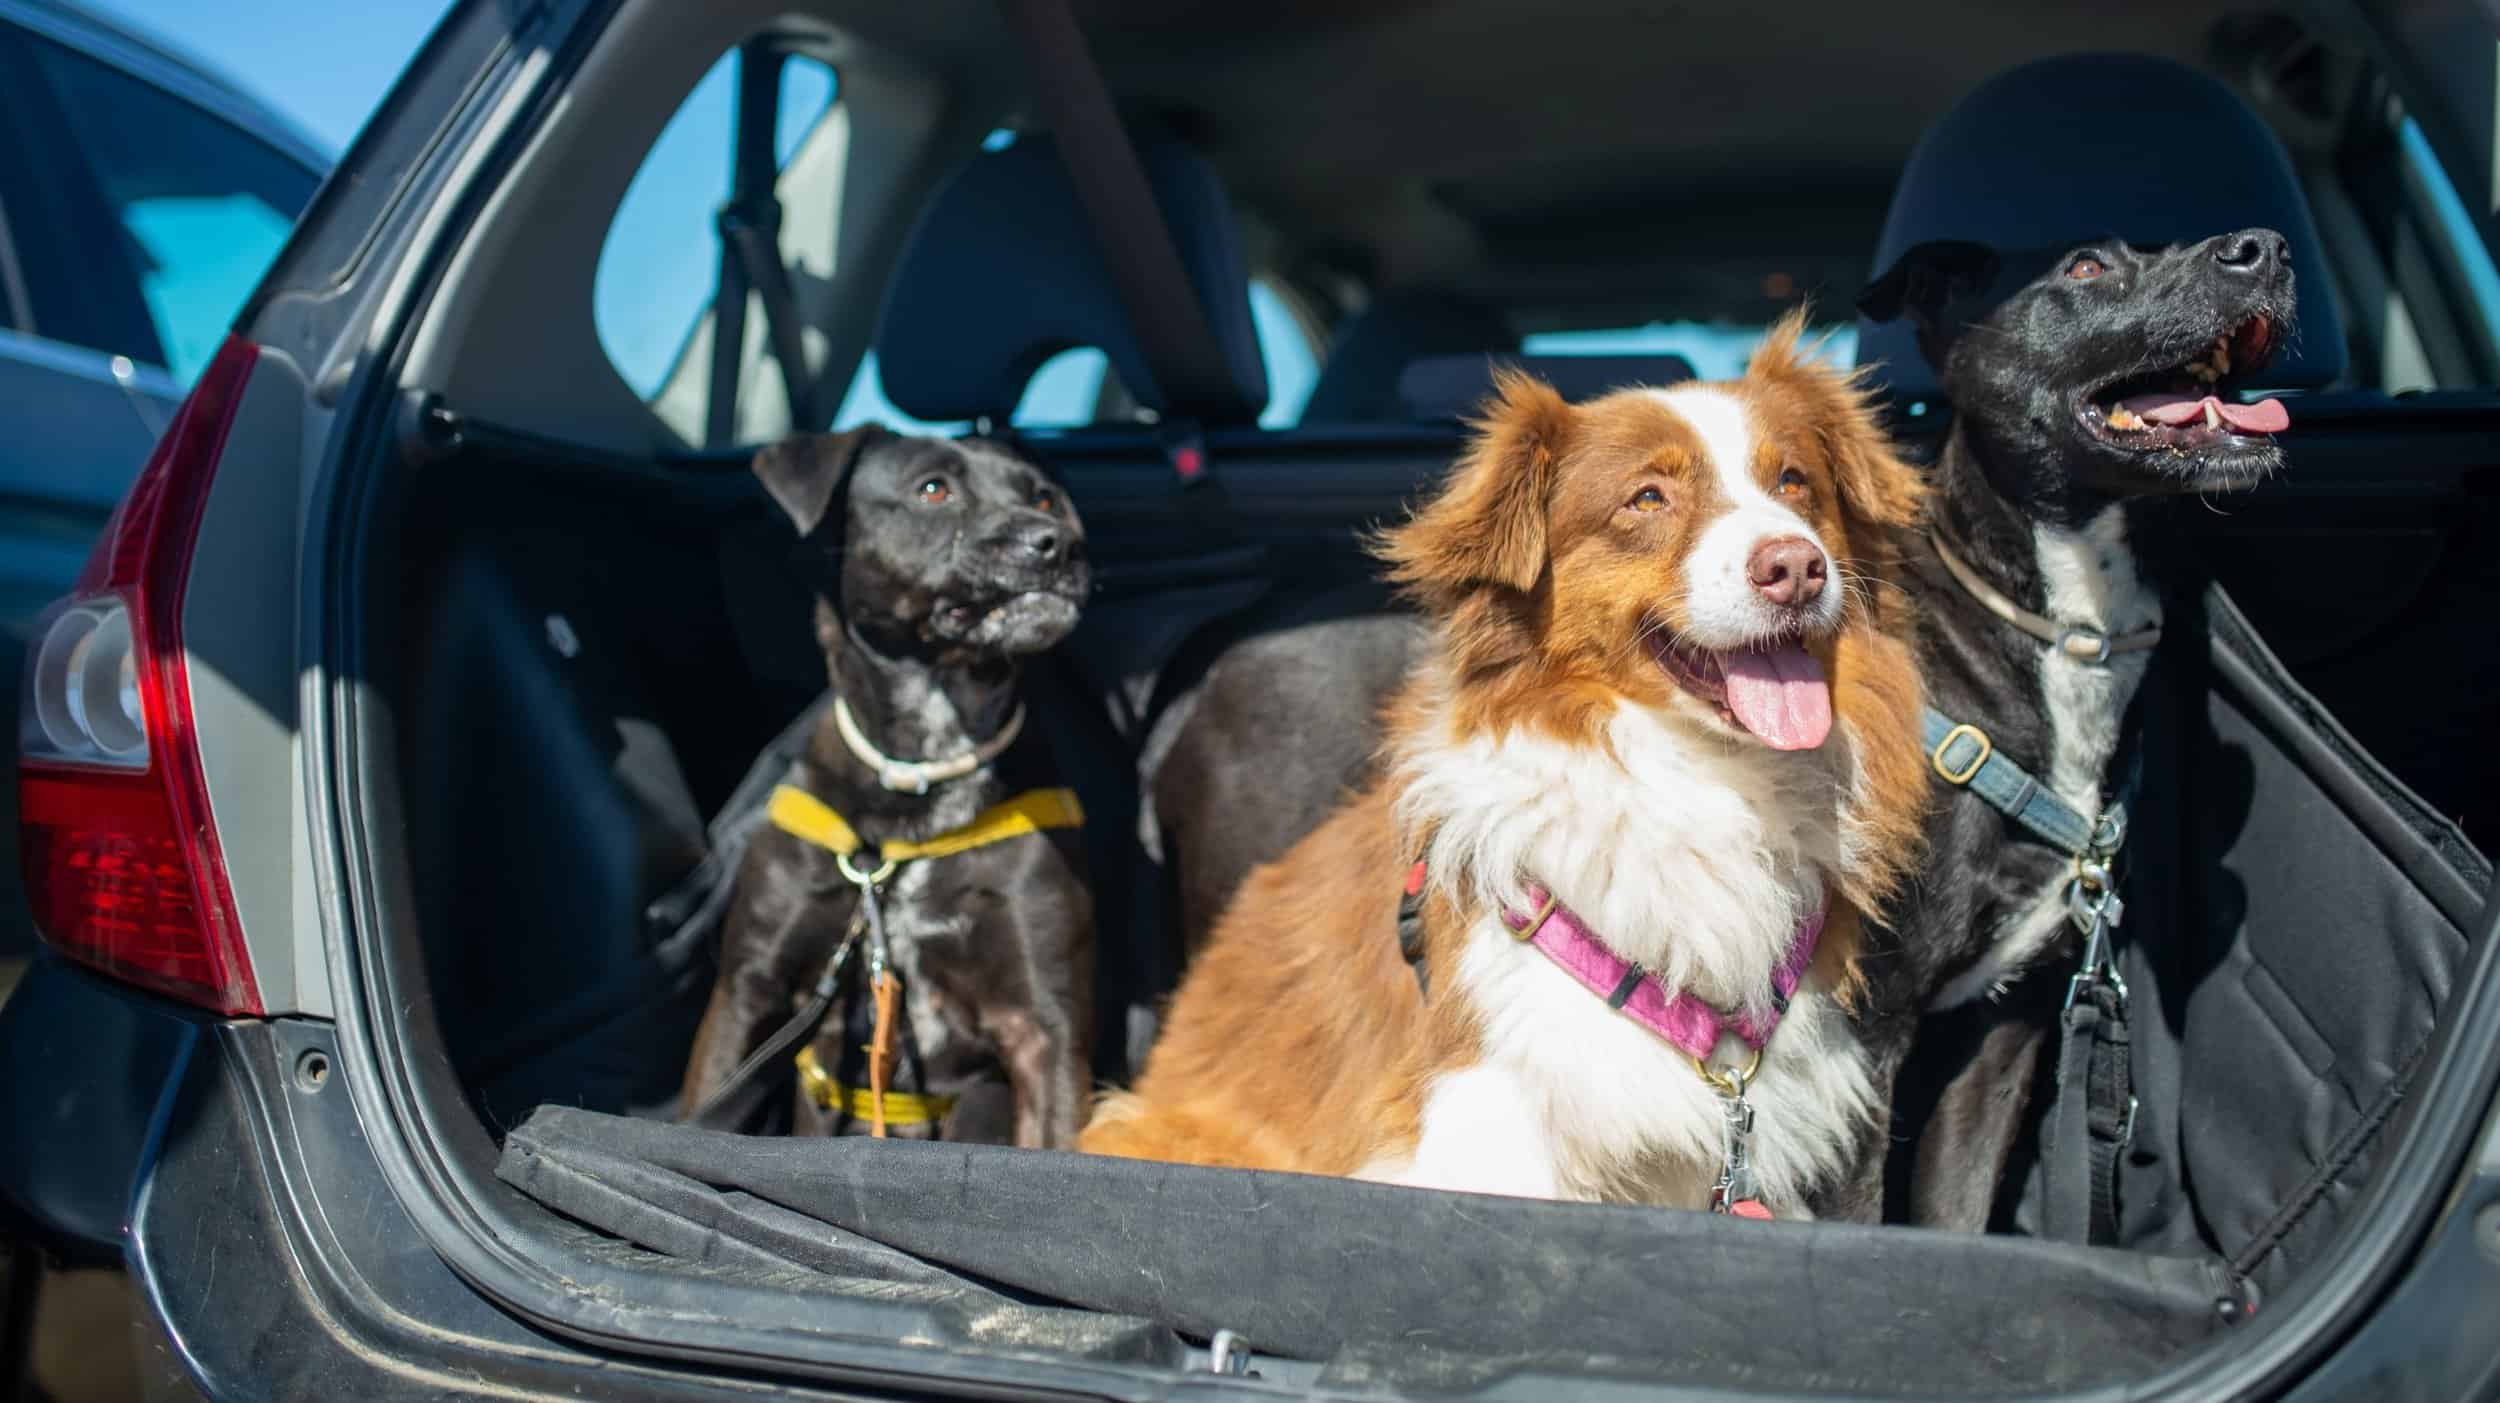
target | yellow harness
[{"x": 804, "y": 816}]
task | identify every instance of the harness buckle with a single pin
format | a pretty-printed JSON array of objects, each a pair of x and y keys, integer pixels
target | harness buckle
[
  {"x": 2094, "y": 644},
  {"x": 1964, "y": 776}
]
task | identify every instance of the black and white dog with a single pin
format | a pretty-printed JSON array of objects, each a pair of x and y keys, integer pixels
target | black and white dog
[{"x": 2086, "y": 401}]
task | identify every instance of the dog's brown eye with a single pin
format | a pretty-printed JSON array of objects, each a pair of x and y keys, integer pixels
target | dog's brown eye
[
  {"x": 2085, "y": 269},
  {"x": 1046, "y": 500},
  {"x": 935, "y": 491},
  {"x": 1792, "y": 483},
  {"x": 1648, "y": 499}
]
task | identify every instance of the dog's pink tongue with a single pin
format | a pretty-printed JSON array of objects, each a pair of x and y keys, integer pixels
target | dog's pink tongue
[
  {"x": 1779, "y": 694},
  {"x": 2266, "y": 416}
]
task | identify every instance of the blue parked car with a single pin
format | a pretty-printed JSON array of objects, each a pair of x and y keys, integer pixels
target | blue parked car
[{"x": 141, "y": 197}]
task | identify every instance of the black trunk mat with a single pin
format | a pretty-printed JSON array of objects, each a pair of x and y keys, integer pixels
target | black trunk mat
[{"x": 1402, "y": 1279}]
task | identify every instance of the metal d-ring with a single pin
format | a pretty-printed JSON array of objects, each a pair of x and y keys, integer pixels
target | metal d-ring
[
  {"x": 858, "y": 878},
  {"x": 1728, "y": 1084}
]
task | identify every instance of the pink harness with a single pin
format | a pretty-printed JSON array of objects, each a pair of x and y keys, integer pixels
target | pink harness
[
  {"x": 1688, "y": 1024},
  {"x": 1683, "y": 1019}
]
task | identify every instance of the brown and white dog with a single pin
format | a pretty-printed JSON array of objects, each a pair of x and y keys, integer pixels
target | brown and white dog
[{"x": 1667, "y": 728}]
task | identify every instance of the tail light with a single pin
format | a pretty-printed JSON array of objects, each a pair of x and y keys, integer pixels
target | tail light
[{"x": 123, "y": 871}]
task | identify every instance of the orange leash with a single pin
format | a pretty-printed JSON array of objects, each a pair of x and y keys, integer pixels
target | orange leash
[{"x": 881, "y": 1049}]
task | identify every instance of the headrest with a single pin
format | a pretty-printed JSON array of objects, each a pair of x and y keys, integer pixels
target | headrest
[
  {"x": 1454, "y": 387},
  {"x": 1359, "y": 384},
  {"x": 1003, "y": 271},
  {"x": 2087, "y": 146}
]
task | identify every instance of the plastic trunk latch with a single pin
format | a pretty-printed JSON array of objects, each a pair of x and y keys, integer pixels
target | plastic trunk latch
[{"x": 1226, "y": 1354}]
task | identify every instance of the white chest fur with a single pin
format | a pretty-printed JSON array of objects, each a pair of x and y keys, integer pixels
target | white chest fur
[
  {"x": 1696, "y": 856},
  {"x": 2090, "y": 578}
]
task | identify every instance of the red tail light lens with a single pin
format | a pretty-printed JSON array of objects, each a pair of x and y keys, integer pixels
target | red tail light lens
[{"x": 123, "y": 869}]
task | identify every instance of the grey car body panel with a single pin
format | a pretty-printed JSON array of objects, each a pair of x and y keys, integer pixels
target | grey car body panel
[{"x": 240, "y": 647}]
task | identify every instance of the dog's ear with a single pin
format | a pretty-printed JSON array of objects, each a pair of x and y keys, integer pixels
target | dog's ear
[
  {"x": 1487, "y": 524},
  {"x": 1924, "y": 283},
  {"x": 1875, "y": 485},
  {"x": 803, "y": 472}
]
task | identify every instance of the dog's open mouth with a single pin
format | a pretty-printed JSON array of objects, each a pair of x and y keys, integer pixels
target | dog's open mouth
[
  {"x": 2193, "y": 404},
  {"x": 1775, "y": 692}
]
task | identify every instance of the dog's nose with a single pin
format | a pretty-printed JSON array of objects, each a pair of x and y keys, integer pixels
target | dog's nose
[
  {"x": 1043, "y": 543},
  {"x": 1788, "y": 571},
  {"x": 2252, "y": 251}
]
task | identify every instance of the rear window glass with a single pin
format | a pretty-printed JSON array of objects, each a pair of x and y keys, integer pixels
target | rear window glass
[
  {"x": 660, "y": 265},
  {"x": 1717, "y": 350}
]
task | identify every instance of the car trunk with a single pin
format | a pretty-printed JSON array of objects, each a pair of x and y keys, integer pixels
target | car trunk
[{"x": 578, "y": 657}]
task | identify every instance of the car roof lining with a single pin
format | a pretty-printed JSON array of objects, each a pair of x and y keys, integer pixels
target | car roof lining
[{"x": 1574, "y": 164}]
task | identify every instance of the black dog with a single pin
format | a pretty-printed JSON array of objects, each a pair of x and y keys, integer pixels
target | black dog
[
  {"x": 938, "y": 567},
  {"x": 2086, "y": 400}
]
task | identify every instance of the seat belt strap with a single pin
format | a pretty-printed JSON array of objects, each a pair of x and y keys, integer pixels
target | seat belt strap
[
  {"x": 749, "y": 224},
  {"x": 1172, "y": 327}
]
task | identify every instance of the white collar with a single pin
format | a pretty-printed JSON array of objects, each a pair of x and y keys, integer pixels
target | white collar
[{"x": 915, "y": 776}]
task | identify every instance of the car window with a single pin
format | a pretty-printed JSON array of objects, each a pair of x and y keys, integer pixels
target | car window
[
  {"x": 1068, "y": 390},
  {"x": 659, "y": 266},
  {"x": 1292, "y": 361},
  {"x": 197, "y": 207},
  {"x": 1717, "y": 350},
  {"x": 2467, "y": 286}
]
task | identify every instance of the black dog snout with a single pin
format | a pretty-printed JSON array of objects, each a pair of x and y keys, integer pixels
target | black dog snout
[
  {"x": 2252, "y": 251},
  {"x": 1043, "y": 543}
]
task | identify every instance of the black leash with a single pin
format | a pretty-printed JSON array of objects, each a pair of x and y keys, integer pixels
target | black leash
[
  {"x": 2092, "y": 1118},
  {"x": 778, "y": 1047}
]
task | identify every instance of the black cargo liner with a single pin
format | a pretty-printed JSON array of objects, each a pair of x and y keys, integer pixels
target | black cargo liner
[{"x": 2319, "y": 919}]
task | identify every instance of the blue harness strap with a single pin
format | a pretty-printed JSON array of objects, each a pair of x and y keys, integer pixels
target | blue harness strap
[
  {"x": 1962, "y": 755},
  {"x": 2092, "y": 1120}
]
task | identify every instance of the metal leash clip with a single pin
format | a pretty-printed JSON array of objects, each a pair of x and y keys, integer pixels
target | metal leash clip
[
  {"x": 1735, "y": 1191},
  {"x": 868, "y": 915},
  {"x": 2092, "y": 903}
]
